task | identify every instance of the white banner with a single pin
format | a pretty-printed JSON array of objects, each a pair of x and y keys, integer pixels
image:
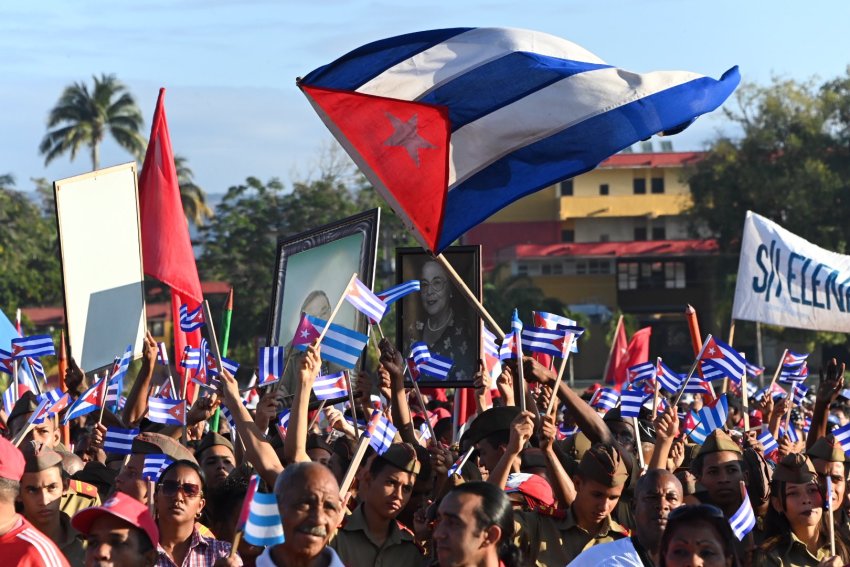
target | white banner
[{"x": 786, "y": 280}]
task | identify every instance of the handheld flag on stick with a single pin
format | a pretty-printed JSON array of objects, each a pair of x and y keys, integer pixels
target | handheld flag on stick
[
  {"x": 154, "y": 465},
  {"x": 119, "y": 441},
  {"x": 264, "y": 527},
  {"x": 744, "y": 520},
  {"x": 167, "y": 411},
  {"x": 330, "y": 387},
  {"x": 631, "y": 402},
  {"x": 191, "y": 320},
  {"x": 381, "y": 432},
  {"x": 361, "y": 297},
  {"x": 605, "y": 399},
  {"x": 393, "y": 294},
  {"x": 341, "y": 345},
  {"x": 271, "y": 365},
  {"x": 34, "y": 345},
  {"x": 431, "y": 118},
  {"x": 88, "y": 402}
]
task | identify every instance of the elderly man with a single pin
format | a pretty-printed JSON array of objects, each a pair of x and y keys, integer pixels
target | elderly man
[
  {"x": 310, "y": 509},
  {"x": 120, "y": 533}
]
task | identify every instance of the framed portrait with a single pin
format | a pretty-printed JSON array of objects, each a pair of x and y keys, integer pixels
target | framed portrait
[
  {"x": 439, "y": 315},
  {"x": 312, "y": 271}
]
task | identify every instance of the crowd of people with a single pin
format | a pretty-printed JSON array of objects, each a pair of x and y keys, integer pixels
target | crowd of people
[{"x": 580, "y": 486}]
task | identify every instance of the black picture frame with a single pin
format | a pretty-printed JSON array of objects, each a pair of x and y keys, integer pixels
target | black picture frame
[
  {"x": 321, "y": 259},
  {"x": 462, "y": 343}
]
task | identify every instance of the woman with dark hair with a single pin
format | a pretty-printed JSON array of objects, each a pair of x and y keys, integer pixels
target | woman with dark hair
[
  {"x": 797, "y": 532},
  {"x": 179, "y": 502},
  {"x": 698, "y": 536},
  {"x": 475, "y": 526}
]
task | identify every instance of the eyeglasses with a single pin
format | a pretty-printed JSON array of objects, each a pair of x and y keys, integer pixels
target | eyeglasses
[
  {"x": 695, "y": 510},
  {"x": 171, "y": 487},
  {"x": 437, "y": 285}
]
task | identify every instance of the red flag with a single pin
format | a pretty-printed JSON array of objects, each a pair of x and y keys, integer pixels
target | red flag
[
  {"x": 166, "y": 247},
  {"x": 638, "y": 349},
  {"x": 619, "y": 358}
]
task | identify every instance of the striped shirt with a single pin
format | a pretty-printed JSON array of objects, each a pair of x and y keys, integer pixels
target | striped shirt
[
  {"x": 203, "y": 552},
  {"x": 25, "y": 546}
]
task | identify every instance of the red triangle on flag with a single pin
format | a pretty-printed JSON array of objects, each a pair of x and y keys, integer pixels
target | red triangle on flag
[
  {"x": 401, "y": 146},
  {"x": 711, "y": 350},
  {"x": 177, "y": 411}
]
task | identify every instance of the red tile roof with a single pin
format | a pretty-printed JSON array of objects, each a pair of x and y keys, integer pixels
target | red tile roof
[
  {"x": 612, "y": 249},
  {"x": 655, "y": 159}
]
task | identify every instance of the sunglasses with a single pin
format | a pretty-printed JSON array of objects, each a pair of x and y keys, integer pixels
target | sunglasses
[
  {"x": 695, "y": 510},
  {"x": 171, "y": 487}
]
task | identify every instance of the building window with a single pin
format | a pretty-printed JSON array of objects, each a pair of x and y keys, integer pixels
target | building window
[
  {"x": 593, "y": 267},
  {"x": 651, "y": 275},
  {"x": 627, "y": 275},
  {"x": 157, "y": 328},
  {"x": 674, "y": 275},
  {"x": 568, "y": 235},
  {"x": 640, "y": 233},
  {"x": 639, "y": 186},
  {"x": 657, "y": 184},
  {"x": 522, "y": 268},
  {"x": 659, "y": 233},
  {"x": 603, "y": 189},
  {"x": 566, "y": 188}
]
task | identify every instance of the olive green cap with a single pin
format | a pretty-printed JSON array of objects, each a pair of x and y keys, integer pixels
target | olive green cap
[
  {"x": 211, "y": 439},
  {"x": 602, "y": 463},
  {"x": 795, "y": 468},
  {"x": 148, "y": 443},
  {"x": 38, "y": 457},
  {"x": 718, "y": 441},
  {"x": 828, "y": 449},
  {"x": 402, "y": 456}
]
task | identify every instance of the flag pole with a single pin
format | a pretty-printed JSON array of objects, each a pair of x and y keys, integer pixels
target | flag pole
[
  {"x": 655, "y": 391},
  {"x": 641, "y": 461},
  {"x": 226, "y": 316},
  {"x": 725, "y": 387},
  {"x": 101, "y": 396},
  {"x": 351, "y": 399},
  {"x": 316, "y": 417},
  {"x": 557, "y": 384},
  {"x": 831, "y": 521},
  {"x": 63, "y": 368},
  {"x": 611, "y": 350},
  {"x": 355, "y": 464},
  {"x": 745, "y": 401},
  {"x": 458, "y": 281},
  {"x": 778, "y": 370},
  {"x": 211, "y": 331},
  {"x": 336, "y": 309},
  {"x": 692, "y": 369}
]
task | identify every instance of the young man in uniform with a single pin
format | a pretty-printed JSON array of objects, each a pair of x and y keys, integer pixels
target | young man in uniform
[{"x": 216, "y": 457}]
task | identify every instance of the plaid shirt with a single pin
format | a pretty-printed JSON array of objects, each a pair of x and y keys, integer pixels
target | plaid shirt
[{"x": 203, "y": 552}]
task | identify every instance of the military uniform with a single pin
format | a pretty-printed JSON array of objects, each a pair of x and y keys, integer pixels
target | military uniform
[
  {"x": 546, "y": 540},
  {"x": 355, "y": 544},
  {"x": 80, "y": 495},
  {"x": 830, "y": 450},
  {"x": 73, "y": 546}
]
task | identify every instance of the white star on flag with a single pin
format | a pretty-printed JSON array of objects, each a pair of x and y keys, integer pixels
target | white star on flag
[{"x": 406, "y": 135}]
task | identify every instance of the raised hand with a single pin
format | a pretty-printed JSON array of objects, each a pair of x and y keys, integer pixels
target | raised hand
[
  {"x": 74, "y": 377},
  {"x": 522, "y": 428},
  {"x": 391, "y": 360},
  {"x": 667, "y": 425},
  {"x": 505, "y": 383},
  {"x": 831, "y": 384},
  {"x": 548, "y": 432},
  {"x": 309, "y": 365},
  {"x": 150, "y": 350}
]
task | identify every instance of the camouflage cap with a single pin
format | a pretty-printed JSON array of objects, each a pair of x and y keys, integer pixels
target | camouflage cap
[
  {"x": 148, "y": 443},
  {"x": 602, "y": 463},
  {"x": 39, "y": 457},
  {"x": 211, "y": 439},
  {"x": 828, "y": 449},
  {"x": 717, "y": 441},
  {"x": 795, "y": 468},
  {"x": 402, "y": 456}
]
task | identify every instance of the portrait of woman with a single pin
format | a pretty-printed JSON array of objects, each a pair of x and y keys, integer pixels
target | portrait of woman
[{"x": 439, "y": 315}]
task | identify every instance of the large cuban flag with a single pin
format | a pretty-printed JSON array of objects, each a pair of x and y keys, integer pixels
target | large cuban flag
[{"x": 453, "y": 125}]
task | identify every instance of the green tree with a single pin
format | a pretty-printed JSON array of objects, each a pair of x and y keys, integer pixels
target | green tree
[
  {"x": 82, "y": 118},
  {"x": 193, "y": 197},
  {"x": 29, "y": 262}
]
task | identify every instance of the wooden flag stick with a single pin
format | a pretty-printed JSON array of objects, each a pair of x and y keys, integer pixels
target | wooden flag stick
[
  {"x": 557, "y": 385},
  {"x": 693, "y": 369},
  {"x": 655, "y": 391},
  {"x": 63, "y": 368},
  {"x": 14, "y": 381},
  {"x": 237, "y": 539},
  {"x": 745, "y": 402},
  {"x": 424, "y": 409},
  {"x": 355, "y": 464},
  {"x": 725, "y": 387},
  {"x": 23, "y": 433},
  {"x": 380, "y": 330},
  {"x": 211, "y": 332},
  {"x": 464, "y": 289},
  {"x": 316, "y": 417},
  {"x": 351, "y": 399},
  {"x": 102, "y": 396},
  {"x": 613, "y": 346},
  {"x": 831, "y": 522},
  {"x": 151, "y": 490},
  {"x": 336, "y": 308},
  {"x": 778, "y": 370},
  {"x": 641, "y": 461}
]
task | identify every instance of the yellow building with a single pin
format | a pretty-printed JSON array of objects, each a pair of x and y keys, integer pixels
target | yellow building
[{"x": 613, "y": 238}]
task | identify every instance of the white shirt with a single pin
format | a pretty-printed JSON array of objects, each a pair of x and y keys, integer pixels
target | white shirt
[{"x": 620, "y": 553}]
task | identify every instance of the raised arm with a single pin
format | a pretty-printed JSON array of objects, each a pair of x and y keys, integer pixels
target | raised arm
[
  {"x": 562, "y": 484},
  {"x": 393, "y": 364},
  {"x": 257, "y": 449},
  {"x": 295, "y": 445},
  {"x": 137, "y": 400},
  {"x": 522, "y": 428},
  {"x": 828, "y": 389},
  {"x": 666, "y": 429}
]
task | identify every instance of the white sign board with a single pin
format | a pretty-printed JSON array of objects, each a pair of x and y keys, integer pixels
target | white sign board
[
  {"x": 786, "y": 280},
  {"x": 100, "y": 240}
]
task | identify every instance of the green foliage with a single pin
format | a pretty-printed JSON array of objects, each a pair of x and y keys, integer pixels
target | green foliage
[
  {"x": 29, "y": 257},
  {"x": 192, "y": 197},
  {"x": 83, "y": 117}
]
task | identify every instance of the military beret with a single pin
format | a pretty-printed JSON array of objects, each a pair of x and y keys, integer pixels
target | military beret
[
  {"x": 211, "y": 439},
  {"x": 795, "y": 468},
  {"x": 318, "y": 442},
  {"x": 402, "y": 456},
  {"x": 828, "y": 449},
  {"x": 27, "y": 403},
  {"x": 717, "y": 441},
  {"x": 40, "y": 458},
  {"x": 493, "y": 420},
  {"x": 98, "y": 475},
  {"x": 602, "y": 463},
  {"x": 148, "y": 443}
]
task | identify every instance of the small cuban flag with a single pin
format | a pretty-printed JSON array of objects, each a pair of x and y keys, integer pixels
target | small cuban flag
[
  {"x": 262, "y": 525},
  {"x": 842, "y": 435},
  {"x": 271, "y": 364},
  {"x": 283, "y": 423},
  {"x": 88, "y": 402},
  {"x": 381, "y": 432},
  {"x": 361, "y": 297},
  {"x": 119, "y": 441},
  {"x": 458, "y": 464},
  {"x": 744, "y": 520},
  {"x": 631, "y": 402},
  {"x": 167, "y": 411},
  {"x": 768, "y": 442},
  {"x": 330, "y": 386},
  {"x": 393, "y": 294},
  {"x": 191, "y": 320},
  {"x": 34, "y": 345},
  {"x": 154, "y": 465},
  {"x": 604, "y": 398}
]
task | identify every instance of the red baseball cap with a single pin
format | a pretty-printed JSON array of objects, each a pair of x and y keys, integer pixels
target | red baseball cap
[
  {"x": 124, "y": 507},
  {"x": 534, "y": 488},
  {"x": 11, "y": 461}
]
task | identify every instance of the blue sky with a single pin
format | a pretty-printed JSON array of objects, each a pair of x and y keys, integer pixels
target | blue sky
[{"x": 230, "y": 65}]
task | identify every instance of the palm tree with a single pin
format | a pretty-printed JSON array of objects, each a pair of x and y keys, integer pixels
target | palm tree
[
  {"x": 82, "y": 118},
  {"x": 191, "y": 195}
]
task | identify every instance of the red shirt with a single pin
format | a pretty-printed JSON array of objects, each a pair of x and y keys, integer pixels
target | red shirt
[{"x": 25, "y": 546}]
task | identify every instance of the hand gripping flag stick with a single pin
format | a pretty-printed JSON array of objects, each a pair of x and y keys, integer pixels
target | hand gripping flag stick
[
  {"x": 421, "y": 403},
  {"x": 693, "y": 369},
  {"x": 351, "y": 400},
  {"x": 557, "y": 384}
]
